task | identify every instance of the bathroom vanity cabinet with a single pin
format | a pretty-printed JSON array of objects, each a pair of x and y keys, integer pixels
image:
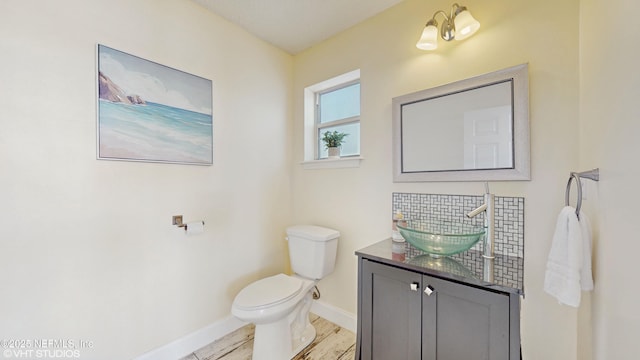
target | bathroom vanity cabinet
[{"x": 410, "y": 311}]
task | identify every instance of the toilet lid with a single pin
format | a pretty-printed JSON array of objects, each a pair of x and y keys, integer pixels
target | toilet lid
[{"x": 268, "y": 292}]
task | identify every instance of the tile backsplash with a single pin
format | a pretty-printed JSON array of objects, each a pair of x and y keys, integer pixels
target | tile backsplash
[{"x": 509, "y": 215}]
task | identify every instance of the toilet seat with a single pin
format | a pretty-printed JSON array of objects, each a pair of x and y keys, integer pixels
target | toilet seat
[{"x": 268, "y": 292}]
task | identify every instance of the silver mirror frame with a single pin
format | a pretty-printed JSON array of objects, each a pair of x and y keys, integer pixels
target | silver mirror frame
[{"x": 521, "y": 170}]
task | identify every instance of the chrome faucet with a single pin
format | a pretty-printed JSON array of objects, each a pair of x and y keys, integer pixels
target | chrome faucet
[{"x": 489, "y": 222}]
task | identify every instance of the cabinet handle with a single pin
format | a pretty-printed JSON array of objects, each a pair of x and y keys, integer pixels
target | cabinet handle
[
  {"x": 414, "y": 286},
  {"x": 429, "y": 290}
]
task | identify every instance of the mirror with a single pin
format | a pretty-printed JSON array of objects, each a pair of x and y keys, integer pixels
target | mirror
[{"x": 470, "y": 130}]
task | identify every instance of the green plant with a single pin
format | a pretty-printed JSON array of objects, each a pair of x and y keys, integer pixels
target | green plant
[{"x": 333, "y": 139}]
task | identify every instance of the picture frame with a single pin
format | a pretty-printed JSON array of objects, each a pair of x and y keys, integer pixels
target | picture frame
[{"x": 150, "y": 112}]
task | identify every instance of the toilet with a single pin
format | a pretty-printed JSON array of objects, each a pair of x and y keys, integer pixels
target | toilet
[{"x": 279, "y": 305}]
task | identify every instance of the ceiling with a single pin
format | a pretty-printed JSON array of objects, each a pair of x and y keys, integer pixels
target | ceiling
[{"x": 295, "y": 25}]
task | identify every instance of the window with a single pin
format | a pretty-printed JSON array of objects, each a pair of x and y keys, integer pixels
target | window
[
  {"x": 333, "y": 105},
  {"x": 338, "y": 109}
]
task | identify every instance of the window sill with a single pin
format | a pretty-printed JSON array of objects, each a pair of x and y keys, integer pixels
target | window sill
[{"x": 346, "y": 162}]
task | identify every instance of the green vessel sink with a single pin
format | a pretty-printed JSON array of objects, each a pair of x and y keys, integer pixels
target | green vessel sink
[{"x": 441, "y": 238}]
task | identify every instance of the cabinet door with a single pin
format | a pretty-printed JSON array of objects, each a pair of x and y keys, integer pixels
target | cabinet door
[
  {"x": 391, "y": 306},
  {"x": 463, "y": 322}
]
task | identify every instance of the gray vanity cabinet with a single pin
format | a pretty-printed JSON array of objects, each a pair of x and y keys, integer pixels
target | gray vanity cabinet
[
  {"x": 399, "y": 320},
  {"x": 390, "y": 305}
]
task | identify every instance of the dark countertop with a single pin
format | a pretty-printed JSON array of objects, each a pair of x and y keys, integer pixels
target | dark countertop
[{"x": 468, "y": 267}]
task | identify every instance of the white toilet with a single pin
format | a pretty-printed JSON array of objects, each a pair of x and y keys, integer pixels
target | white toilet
[{"x": 279, "y": 305}]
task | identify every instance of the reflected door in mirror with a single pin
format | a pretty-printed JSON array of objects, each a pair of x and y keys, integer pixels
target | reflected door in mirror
[{"x": 488, "y": 138}]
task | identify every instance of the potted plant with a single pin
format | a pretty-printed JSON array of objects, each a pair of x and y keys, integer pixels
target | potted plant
[{"x": 333, "y": 141}]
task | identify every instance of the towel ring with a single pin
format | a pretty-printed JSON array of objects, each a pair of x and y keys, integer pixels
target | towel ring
[{"x": 568, "y": 192}]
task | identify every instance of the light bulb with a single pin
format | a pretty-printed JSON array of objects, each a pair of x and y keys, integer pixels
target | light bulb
[
  {"x": 429, "y": 38},
  {"x": 465, "y": 24}
]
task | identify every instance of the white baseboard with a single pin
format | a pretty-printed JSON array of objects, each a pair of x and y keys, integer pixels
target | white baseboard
[
  {"x": 334, "y": 314},
  {"x": 194, "y": 341}
]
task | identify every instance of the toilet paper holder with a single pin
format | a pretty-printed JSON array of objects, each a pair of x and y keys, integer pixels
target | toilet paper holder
[{"x": 177, "y": 221}]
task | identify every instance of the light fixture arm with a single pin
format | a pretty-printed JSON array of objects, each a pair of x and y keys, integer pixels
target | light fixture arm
[
  {"x": 455, "y": 6},
  {"x": 457, "y": 15},
  {"x": 448, "y": 29},
  {"x": 455, "y": 9},
  {"x": 446, "y": 18}
]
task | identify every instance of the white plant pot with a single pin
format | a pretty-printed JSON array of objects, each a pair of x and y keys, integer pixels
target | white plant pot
[{"x": 334, "y": 152}]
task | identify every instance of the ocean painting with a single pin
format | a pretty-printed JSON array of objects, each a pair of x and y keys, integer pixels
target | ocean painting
[{"x": 151, "y": 112}]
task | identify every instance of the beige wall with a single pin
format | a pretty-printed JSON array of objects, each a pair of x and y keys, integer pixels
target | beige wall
[
  {"x": 87, "y": 249},
  {"x": 358, "y": 201},
  {"x": 610, "y": 124}
]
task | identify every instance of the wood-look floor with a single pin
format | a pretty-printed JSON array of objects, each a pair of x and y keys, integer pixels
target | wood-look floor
[{"x": 331, "y": 343}]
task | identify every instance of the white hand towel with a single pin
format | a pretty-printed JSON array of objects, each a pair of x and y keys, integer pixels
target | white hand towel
[
  {"x": 586, "y": 278},
  {"x": 562, "y": 277}
]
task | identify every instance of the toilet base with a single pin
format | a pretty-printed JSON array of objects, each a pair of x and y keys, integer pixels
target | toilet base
[
  {"x": 269, "y": 344},
  {"x": 308, "y": 335}
]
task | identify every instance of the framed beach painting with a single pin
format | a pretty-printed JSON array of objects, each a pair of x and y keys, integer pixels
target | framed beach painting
[{"x": 151, "y": 112}]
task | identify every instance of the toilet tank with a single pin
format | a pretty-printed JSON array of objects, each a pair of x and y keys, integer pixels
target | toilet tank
[{"x": 312, "y": 250}]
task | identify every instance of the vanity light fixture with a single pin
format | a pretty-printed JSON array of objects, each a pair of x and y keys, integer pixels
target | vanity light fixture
[{"x": 458, "y": 25}]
